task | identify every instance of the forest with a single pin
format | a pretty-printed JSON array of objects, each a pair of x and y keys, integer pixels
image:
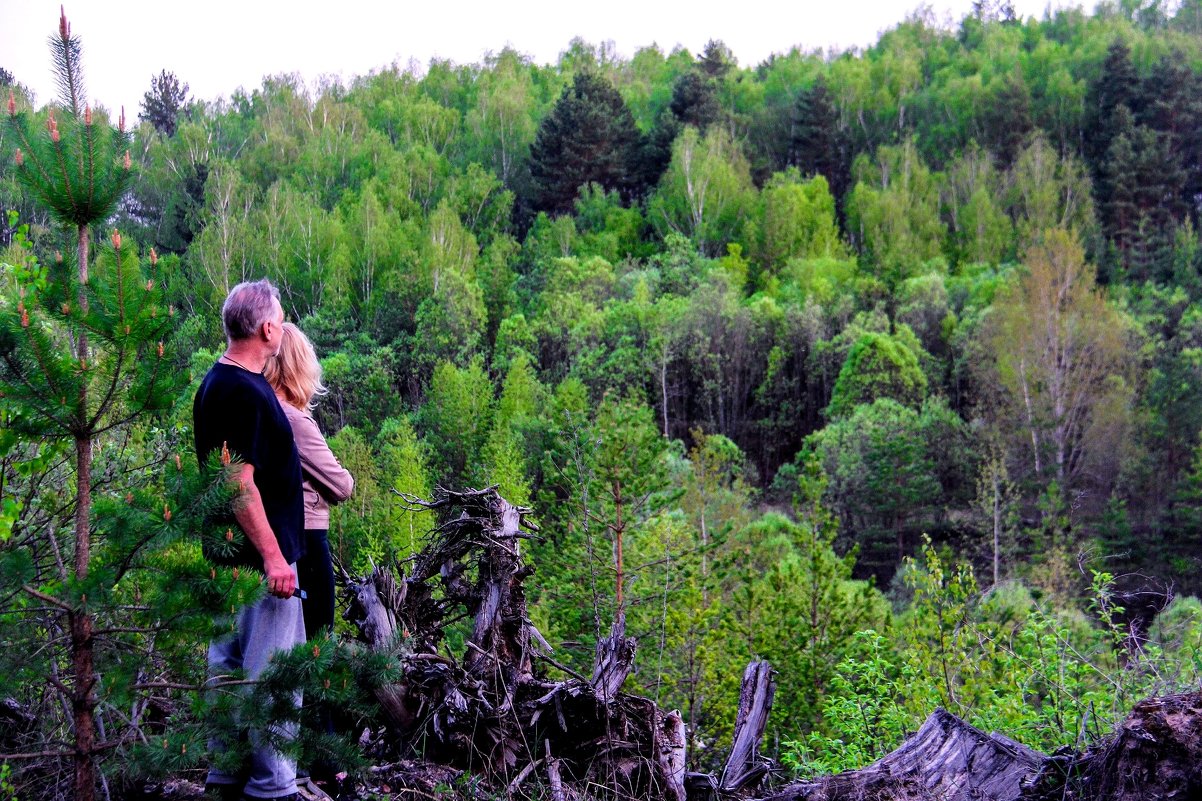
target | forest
[{"x": 883, "y": 366}]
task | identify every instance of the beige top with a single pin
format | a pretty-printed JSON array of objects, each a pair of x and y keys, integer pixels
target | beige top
[{"x": 326, "y": 481}]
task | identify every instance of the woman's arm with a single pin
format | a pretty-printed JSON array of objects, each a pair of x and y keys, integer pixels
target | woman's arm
[{"x": 325, "y": 473}]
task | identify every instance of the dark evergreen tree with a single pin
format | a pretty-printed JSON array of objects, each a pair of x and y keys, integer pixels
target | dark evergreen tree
[
  {"x": 695, "y": 99},
  {"x": 1006, "y": 120},
  {"x": 6, "y": 78},
  {"x": 161, "y": 106},
  {"x": 590, "y": 136},
  {"x": 695, "y": 95},
  {"x": 716, "y": 60},
  {"x": 656, "y": 152},
  {"x": 1171, "y": 105},
  {"x": 815, "y": 147},
  {"x": 1141, "y": 198},
  {"x": 1117, "y": 85}
]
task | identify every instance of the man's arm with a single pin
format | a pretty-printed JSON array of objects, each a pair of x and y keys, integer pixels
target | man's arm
[{"x": 249, "y": 512}]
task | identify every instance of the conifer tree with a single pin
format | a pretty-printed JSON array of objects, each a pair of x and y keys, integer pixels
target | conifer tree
[
  {"x": 814, "y": 147},
  {"x": 162, "y": 105},
  {"x": 589, "y": 137},
  {"x": 82, "y": 356},
  {"x": 1118, "y": 85}
]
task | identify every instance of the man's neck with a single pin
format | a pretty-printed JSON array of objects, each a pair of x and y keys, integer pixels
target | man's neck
[{"x": 248, "y": 358}]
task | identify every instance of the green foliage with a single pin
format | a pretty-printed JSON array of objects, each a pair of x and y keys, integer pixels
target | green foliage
[
  {"x": 878, "y": 366},
  {"x": 706, "y": 193},
  {"x": 864, "y": 718},
  {"x": 665, "y": 240},
  {"x": 374, "y": 527},
  {"x": 78, "y": 169},
  {"x": 455, "y": 419},
  {"x": 893, "y": 211},
  {"x": 798, "y": 220},
  {"x": 885, "y": 464}
]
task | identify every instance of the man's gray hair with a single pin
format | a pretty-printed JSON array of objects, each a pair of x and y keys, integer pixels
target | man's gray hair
[{"x": 248, "y": 306}]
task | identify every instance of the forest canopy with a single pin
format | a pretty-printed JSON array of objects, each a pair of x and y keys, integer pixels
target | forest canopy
[{"x": 883, "y": 365}]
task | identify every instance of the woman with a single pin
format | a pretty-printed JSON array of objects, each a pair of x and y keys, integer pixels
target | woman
[{"x": 295, "y": 374}]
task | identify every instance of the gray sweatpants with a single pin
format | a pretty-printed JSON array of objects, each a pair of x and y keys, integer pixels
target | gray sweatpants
[{"x": 272, "y": 624}]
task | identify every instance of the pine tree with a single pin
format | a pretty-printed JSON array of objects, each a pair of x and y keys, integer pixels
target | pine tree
[
  {"x": 162, "y": 105},
  {"x": 695, "y": 99},
  {"x": 814, "y": 147},
  {"x": 1171, "y": 105},
  {"x": 1141, "y": 192},
  {"x": 1117, "y": 86},
  {"x": 589, "y": 137},
  {"x": 1007, "y": 118},
  {"x": 82, "y": 356}
]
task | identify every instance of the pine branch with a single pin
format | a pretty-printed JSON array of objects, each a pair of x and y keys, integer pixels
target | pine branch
[
  {"x": 30, "y": 155},
  {"x": 50, "y": 599},
  {"x": 38, "y": 755},
  {"x": 65, "y": 173},
  {"x": 66, "y": 52}
]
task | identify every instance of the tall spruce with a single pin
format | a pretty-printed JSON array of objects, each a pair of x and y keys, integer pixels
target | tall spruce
[
  {"x": 695, "y": 99},
  {"x": 590, "y": 136},
  {"x": 162, "y": 105},
  {"x": 1116, "y": 86},
  {"x": 1171, "y": 105},
  {"x": 1006, "y": 119},
  {"x": 815, "y": 147}
]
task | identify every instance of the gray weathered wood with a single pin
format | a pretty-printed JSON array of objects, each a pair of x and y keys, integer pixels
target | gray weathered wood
[
  {"x": 670, "y": 746},
  {"x": 615, "y": 658},
  {"x": 743, "y": 767},
  {"x": 945, "y": 760}
]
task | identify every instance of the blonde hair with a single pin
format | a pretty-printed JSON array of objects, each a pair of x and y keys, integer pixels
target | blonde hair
[{"x": 294, "y": 372}]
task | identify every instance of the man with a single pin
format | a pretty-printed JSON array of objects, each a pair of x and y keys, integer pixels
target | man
[{"x": 236, "y": 408}]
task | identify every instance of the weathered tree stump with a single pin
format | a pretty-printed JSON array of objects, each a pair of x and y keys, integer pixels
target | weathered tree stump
[
  {"x": 1155, "y": 753},
  {"x": 946, "y": 759},
  {"x": 744, "y": 769}
]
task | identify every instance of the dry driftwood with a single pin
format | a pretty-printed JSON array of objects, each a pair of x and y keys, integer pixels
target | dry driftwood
[
  {"x": 1155, "y": 753},
  {"x": 744, "y": 769}
]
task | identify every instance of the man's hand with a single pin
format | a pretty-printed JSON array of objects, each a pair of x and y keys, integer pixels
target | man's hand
[{"x": 281, "y": 580}]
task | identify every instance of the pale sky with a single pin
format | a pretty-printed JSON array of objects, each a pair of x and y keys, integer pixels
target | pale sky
[{"x": 218, "y": 46}]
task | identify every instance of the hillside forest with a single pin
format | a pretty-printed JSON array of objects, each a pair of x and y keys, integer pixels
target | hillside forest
[{"x": 882, "y": 365}]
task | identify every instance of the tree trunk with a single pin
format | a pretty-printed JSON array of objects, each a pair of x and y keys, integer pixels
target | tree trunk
[
  {"x": 615, "y": 658},
  {"x": 83, "y": 702}
]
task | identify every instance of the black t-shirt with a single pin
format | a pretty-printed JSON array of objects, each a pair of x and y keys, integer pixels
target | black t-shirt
[{"x": 239, "y": 408}]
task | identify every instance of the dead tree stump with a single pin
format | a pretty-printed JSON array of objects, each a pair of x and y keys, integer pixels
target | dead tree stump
[
  {"x": 490, "y": 712},
  {"x": 946, "y": 759},
  {"x": 744, "y": 769}
]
